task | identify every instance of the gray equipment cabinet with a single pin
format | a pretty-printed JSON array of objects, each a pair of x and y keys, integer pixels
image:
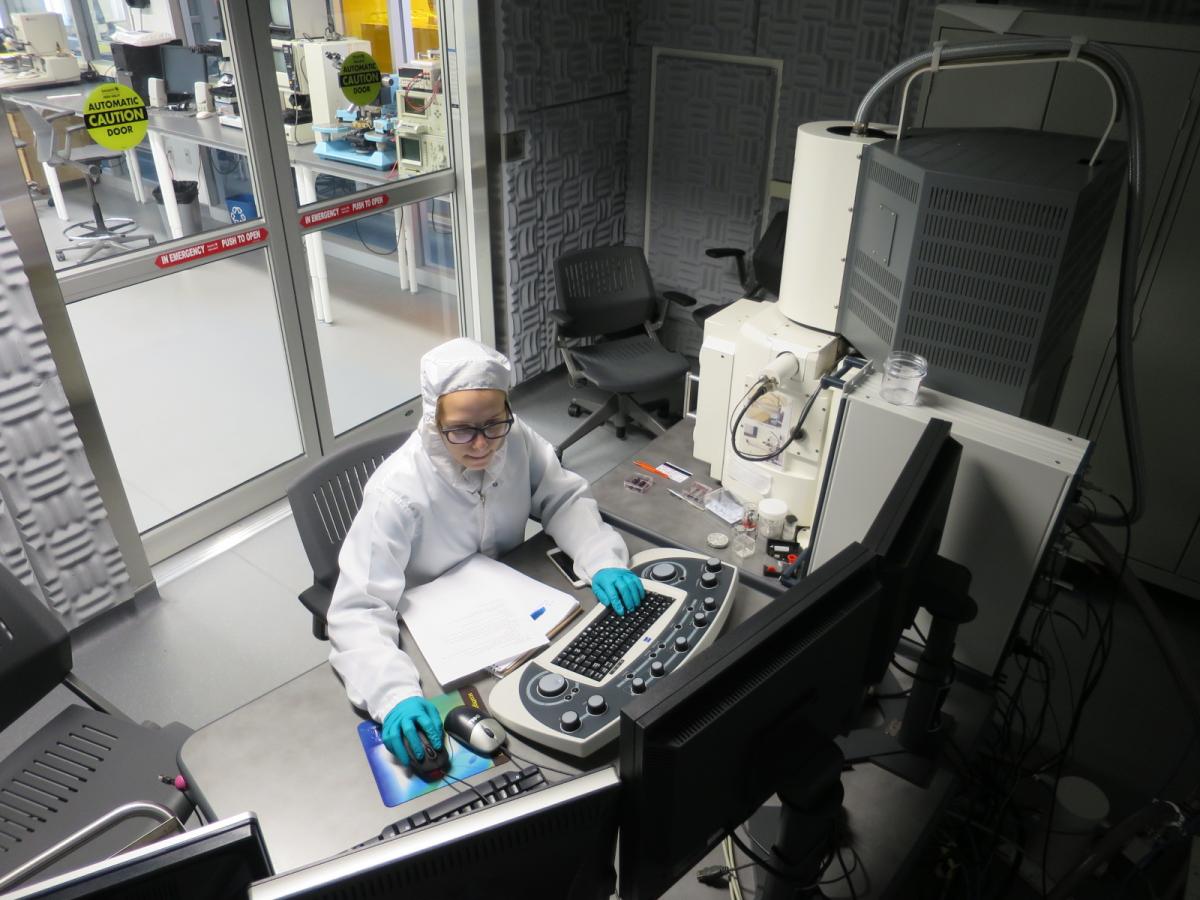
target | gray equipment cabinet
[{"x": 1165, "y": 58}]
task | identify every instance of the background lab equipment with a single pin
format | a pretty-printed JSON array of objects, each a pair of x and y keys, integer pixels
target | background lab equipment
[
  {"x": 981, "y": 263},
  {"x": 43, "y": 57}
]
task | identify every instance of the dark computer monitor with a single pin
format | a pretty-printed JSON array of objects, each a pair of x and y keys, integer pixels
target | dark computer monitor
[
  {"x": 711, "y": 742},
  {"x": 758, "y": 712},
  {"x": 906, "y": 535},
  {"x": 554, "y": 844},
  {"x": 182, "y": 68},
  {"x": 215, "y": 862}
]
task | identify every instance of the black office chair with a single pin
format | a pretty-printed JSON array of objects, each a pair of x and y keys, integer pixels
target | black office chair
[
  {"x": 764, "y": 272},
  {"x": 99, "y": 234},
  {"x": 606, "y": 295},
  {"x": 90, "y": 769},
  {"x": 324, "y": 502}
]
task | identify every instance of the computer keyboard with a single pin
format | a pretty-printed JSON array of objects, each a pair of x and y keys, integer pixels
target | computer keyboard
[
  {"x": 495, "y": 790},
  {"x": 603, "y": 644}
]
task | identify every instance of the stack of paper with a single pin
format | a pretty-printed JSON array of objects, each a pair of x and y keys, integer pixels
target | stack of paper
[{"x": 482, "y": 614}]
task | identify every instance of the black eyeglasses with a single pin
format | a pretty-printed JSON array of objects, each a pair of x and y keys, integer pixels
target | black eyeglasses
[{"x": 464, "y": 434}]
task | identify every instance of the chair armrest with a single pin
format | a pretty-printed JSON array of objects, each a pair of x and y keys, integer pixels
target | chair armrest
[
  {"x": 723, "y": 252},
  {"x": 71, "y": 129},
  {"x": 55, "y": 116},
  {"x": 316, "y": 600},
  {"x": 681, "y": 299}
]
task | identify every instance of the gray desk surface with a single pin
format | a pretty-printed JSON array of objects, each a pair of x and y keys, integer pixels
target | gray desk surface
[
  {"x": 674, "y": 521},
  {"x": 293, "y": 757}
]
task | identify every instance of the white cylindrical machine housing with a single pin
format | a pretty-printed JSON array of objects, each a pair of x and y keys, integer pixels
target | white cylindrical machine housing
[{"x": 824, "y": 182}]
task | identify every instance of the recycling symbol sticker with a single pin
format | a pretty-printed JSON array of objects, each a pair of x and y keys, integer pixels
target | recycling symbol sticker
[
  {"x": 115, "y": 116},
  {"x": 359, "y": 78}
]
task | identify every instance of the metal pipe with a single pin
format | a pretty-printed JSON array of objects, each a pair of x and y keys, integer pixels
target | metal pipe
[{"x": 53, "y": 854}]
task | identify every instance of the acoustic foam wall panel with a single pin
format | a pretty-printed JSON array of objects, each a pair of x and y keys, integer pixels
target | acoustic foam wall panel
[{"x": 54, "y": 531}]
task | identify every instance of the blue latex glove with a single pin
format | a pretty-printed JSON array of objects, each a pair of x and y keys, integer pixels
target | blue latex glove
[
  {"x": 404, "y": 719},
  {"x": 618, "y": 589}
]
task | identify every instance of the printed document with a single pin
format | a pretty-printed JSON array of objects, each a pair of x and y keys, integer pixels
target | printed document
[{"x": 479, "y": 614}]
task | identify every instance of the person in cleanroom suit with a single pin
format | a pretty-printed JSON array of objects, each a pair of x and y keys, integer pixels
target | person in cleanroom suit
[{"x": 465, "y": 482}]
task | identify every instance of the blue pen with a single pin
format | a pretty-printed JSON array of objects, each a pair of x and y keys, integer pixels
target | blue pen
[{"x": 537, "y": 612}]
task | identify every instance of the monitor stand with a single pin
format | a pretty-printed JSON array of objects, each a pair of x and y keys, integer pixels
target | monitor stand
[
  {"x": 908, "y": 743},
  {"x": 811, "y": 806}
]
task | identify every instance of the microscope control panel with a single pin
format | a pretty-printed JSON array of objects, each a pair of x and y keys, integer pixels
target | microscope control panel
[{"x": 570, "y": 696}]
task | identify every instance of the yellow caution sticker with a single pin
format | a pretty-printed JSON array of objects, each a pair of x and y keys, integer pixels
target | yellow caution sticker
[
  {"x": 115, "y": 116},
  {"x": 359, "y": 78}
]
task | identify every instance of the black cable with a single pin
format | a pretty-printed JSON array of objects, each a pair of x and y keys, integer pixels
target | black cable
[
  {"x": 368, "y": 247},
  {"x": 449, "y": 777},
  {"x": 539, "y": 765},
  {"x": 792, "y": 435}
]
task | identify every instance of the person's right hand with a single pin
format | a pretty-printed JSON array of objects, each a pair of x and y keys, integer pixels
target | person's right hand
[{"x": 404, "y": 720}]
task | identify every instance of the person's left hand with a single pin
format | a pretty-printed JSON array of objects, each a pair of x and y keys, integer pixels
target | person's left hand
[{"x": 618, "y": 589}]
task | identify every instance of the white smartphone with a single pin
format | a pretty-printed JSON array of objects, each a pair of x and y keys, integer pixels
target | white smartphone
[{"x": 566, "y": 565}]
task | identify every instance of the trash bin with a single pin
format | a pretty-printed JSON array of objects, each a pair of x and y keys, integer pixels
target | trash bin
[
  {"x": 187, "y": 197},
  {"x": 241, "y": 208}
]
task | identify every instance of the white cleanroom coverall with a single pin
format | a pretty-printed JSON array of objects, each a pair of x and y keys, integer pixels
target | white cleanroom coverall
[{"x": 422, "y": 514}]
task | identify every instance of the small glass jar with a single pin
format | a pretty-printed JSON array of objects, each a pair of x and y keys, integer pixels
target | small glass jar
[{"x": 903, "y": 373}]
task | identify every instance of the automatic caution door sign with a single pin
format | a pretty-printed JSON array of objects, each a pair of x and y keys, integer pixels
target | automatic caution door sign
[
  {"x": 359, "y": 78},
  {"x": 115, "y": 116}
]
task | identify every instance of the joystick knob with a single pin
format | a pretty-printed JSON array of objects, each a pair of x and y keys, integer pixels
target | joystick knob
[
  {"x": 710, "y": 603},
  {"x": 712, "y": 564},
  {"x": 700, "y": 619},
  {"x": 681, "y": 643},
  {"x": 638, "y": 685},
  {"x": 663, "y": 571},
  {"x": 708, "y": 579},
  {"x": 657, "y": 669},
  {"x": 596, "y": 704},
  {"x": 551, "y": 685},
  {"x": 568, "y": 721}
]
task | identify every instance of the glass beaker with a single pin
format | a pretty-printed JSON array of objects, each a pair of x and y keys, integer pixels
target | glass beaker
[
  {"x": 902, "y": 376},
  {"x": 745, "y": 531}
]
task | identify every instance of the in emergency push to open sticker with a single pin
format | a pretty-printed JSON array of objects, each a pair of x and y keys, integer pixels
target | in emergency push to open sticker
[
  {"x": 115, "y": 116},
  {"x": 359, "y": 78}
]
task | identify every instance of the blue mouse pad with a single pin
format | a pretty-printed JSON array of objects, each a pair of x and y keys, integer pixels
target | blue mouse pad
[{"x": 395, "y": 784}]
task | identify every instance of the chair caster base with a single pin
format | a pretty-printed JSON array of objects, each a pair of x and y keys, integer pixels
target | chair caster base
[
  {"x": 574, "y": 410},
  {"x": 621, "y": 432}
]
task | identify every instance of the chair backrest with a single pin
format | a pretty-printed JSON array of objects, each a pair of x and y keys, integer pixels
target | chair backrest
[
  {"x": 325, "y": 500},
  {"x": 605, "y": 290},
  {"x": 768, "y": 254},
  {"x": 35, "y": 649},
  {"x": 44, "y": 134}
]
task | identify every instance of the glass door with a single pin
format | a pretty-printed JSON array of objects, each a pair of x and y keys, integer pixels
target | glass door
[
  {"x": 367, "y": 111},
  {"x": 277, "y": 303}
]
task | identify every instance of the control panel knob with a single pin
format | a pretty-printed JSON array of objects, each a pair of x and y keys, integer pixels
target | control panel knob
[
  {"x": 657, "y": 669},
  {"x": 710, "y": 603},
  {"x": 638, "y": 685},
  {"x": 551, "y": 685},
  {"x": 596, "y": 704},
  {"x": 700, "y": 619},
  {"x": 569, "y": 721},
  {"x": 712, "y": 564},
  {"x": 708, "y": 579},
  {"x": 663, "y": 571},
  {"x": 681, "y": 643}
]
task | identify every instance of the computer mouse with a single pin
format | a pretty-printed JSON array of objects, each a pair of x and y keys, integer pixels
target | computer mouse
[
  {"x": 473, "y": 729},
  {"x": 433, "y": 764}
]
